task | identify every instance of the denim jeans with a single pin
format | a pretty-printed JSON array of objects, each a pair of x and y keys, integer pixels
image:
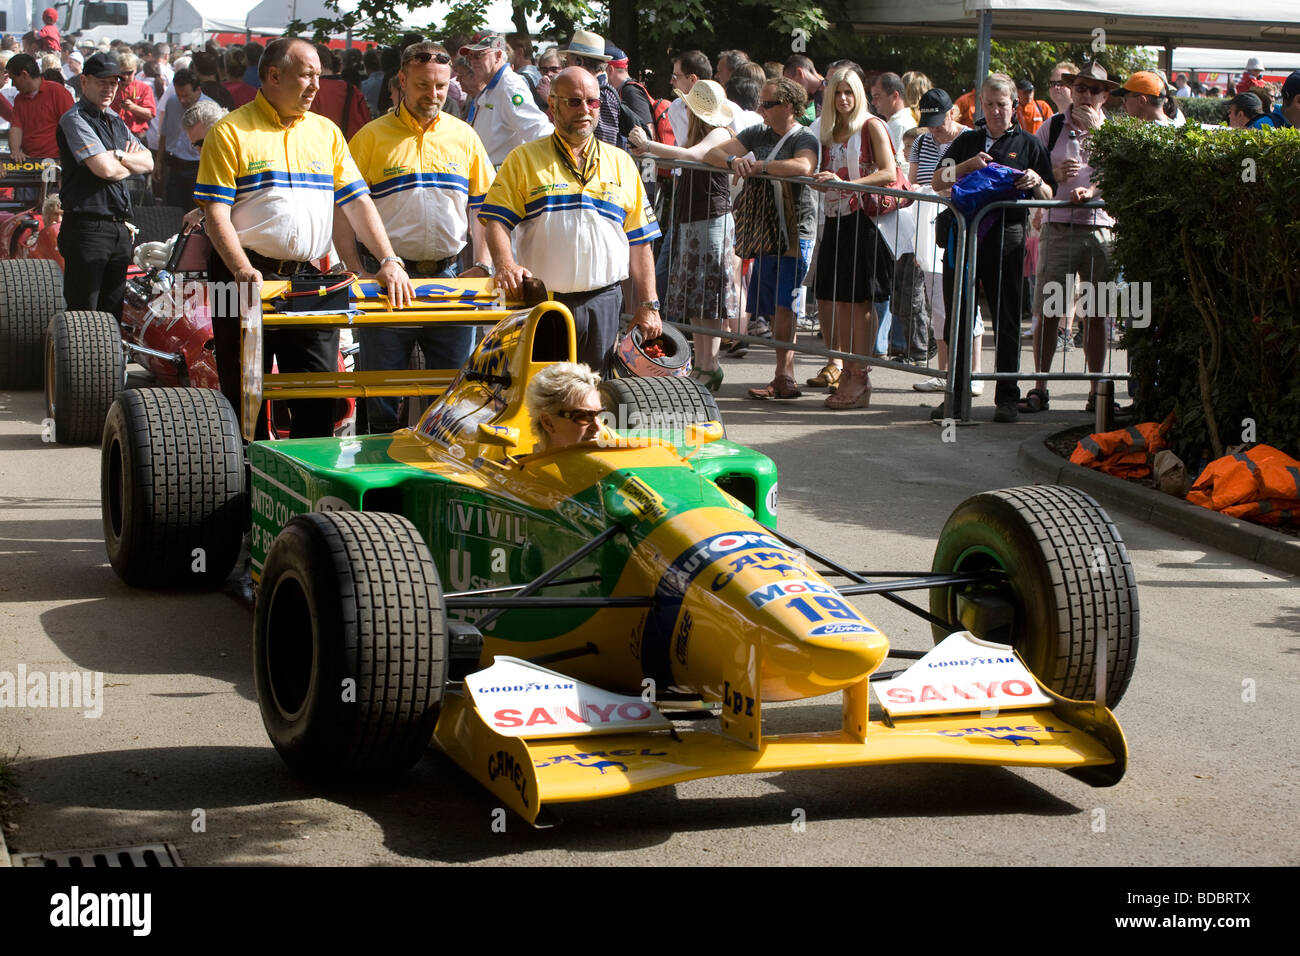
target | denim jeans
[{"x": 447, "y": 346}]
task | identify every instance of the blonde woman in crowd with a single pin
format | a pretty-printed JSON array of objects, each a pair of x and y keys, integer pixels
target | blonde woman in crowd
[
  {"x": 915, "y": 86},
  {"x": 854, "y": 265}
]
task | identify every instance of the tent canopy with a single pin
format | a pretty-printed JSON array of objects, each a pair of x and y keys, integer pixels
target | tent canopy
[
  {"x": 1265, "y": 24},
  {"x": 276, "y": 14},
  {"x": 194, "y": 16}
]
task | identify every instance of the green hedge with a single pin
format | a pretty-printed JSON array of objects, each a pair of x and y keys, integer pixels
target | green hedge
[
  {"x": 1212, "y": 112},
  {"x": 1211, "y": 218}
]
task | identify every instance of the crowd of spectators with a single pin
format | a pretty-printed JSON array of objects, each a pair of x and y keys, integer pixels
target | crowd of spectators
[{"x": 834, "y": 260}]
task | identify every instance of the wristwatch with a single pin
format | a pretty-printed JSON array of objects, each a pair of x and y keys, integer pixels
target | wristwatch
[
  {"x": 120, "y": 154},
  {"x": 650, "y": 304},
  {"x": 486, "y": 267},
  {"x": 730, "y": 159},
  {"x": 387, "y": 259}
]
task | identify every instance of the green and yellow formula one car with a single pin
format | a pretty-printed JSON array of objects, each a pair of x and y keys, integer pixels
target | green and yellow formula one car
[{"x": 543, "y": 615}]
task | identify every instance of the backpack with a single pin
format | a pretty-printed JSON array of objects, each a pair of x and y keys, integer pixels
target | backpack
[
  {"x": 660, "y": 130},
  {"x": 1055, "y": 123}
]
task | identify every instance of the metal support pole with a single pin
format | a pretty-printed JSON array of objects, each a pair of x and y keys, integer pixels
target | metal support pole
[{"x": 982, "y": 49}]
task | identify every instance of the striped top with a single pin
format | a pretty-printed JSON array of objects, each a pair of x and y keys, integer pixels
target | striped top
[
  {"x": 424, "y": 181},
  {"x": 572, "y": 235},
  {"x": 282, "y": 181}
]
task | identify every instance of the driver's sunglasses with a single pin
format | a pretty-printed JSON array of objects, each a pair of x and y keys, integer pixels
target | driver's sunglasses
[
  {"x": 771, "y": 104},
  {"x": 578, "y": 102},
  {"x": 1091, "y": 90},
  {"x": 579, "y": 416},
  {"x": 1058, "y": 83},
  {"x": 425, "y": 56},
  {"x": 548, "y": 70}
]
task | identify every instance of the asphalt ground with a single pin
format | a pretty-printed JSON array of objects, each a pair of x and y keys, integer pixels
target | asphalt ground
[{"x": 179, "y": 753}]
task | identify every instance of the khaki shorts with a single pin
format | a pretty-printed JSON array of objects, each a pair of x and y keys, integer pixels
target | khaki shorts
[{"x": 1068, "y": 255}]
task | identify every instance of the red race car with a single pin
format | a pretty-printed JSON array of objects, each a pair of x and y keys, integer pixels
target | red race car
[{"x": 166, "y": 327}]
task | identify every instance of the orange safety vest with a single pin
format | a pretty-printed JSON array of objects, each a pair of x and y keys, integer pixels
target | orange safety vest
[
  {"x": 1126, "y": 452},
  {"x": 1261, "y": 485},
  {"x": 1033, "y": 115}
]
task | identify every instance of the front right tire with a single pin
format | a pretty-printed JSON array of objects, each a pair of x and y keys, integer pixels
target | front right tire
[{"x": 350, "y": 644}]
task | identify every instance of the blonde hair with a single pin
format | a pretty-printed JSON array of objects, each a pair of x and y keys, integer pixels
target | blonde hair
[
  {"x": 555, "y": 387},
  {"x": 915, "y": 85},
  {"x": 858, "y": 118}
]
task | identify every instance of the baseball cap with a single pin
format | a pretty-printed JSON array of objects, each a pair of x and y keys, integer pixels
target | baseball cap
[
  {"x": 484, "y": 41},
  {"x": 101, "y": 65},
  {"x": 76, "y": 55},
  {"x": 934, "y": 106},
  {"x": 1291, "y": 87},
  {"x": 617, "y": 58},
  {"x": 1025, "y": 86},
  {"x": 1144, "y": 81},
  {"x": 50, "y": 15}
]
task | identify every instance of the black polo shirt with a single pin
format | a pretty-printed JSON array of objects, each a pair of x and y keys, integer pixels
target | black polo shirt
[
  {"x": 86, "y": 131},
  {"x": 1015, "y": 148}
]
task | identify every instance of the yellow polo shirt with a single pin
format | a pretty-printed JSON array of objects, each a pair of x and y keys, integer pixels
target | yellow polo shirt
[
  {"x": 573, "y": 237},
  {"x": 281, "y": 182},
  {"x": 423, "y": 181}
]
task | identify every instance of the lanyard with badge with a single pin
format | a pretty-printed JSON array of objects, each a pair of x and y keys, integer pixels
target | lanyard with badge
[{"x": 589, "y": 164}]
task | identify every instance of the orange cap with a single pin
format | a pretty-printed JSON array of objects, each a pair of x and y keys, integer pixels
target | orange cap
[{"x": 1146, "y": 82}]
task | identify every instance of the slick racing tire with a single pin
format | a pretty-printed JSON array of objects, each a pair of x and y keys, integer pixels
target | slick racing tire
[
  {"x": 645, "y": 402},
  {"x": 172, "y": 487},
  {"x": 31, "y": 291},
  {"x": 350, "y": 644},
  {"x": 156, "y": 223},
  {"x": 84, "y": 371},
  {"x": 1068, "y": 582}
]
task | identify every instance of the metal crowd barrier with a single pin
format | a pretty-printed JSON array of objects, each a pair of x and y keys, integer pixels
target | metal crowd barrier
[
  {"x": 957, "y": 399},
  {"x": 904, "y": 229}
]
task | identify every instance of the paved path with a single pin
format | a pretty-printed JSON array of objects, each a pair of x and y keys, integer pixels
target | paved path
[{"x": 1209, "y": 715}]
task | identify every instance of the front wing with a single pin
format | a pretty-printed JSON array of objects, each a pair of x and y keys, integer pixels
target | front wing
[{"x": 1081, "y": 738}]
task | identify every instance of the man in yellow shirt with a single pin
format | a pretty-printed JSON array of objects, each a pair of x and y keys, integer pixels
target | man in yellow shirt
[
  {"x": 427, "y": 171},
  {"x": 580, "y": 221},
  {"x": 270, "y": 175}
]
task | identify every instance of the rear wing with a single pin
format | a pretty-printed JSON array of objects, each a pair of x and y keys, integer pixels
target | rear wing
[{"x": 438, "y": 301}]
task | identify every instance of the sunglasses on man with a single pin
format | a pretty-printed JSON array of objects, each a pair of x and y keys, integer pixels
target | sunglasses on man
[
  {"x": 442, "y": 59},
  {"x": 578, "y": 102}
]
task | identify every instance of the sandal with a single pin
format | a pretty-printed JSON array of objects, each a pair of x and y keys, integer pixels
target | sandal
[
  {"x": 781, "y": 387},
  {"x": 841, "y": 401},
  {"x": 1036, "y": 401},
  {"x": 828, "y": 376}
]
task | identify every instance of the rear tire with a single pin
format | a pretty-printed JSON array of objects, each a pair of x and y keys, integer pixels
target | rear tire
[
  {"x": 84, "y": 371},
  {"x": 1068, "y": 581},
  {"x": 681, "y": 401},
  {"x": 172, "y": 487},
  {"x": 350, "y": 644},
  {"x": 31, "y": 291}
]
